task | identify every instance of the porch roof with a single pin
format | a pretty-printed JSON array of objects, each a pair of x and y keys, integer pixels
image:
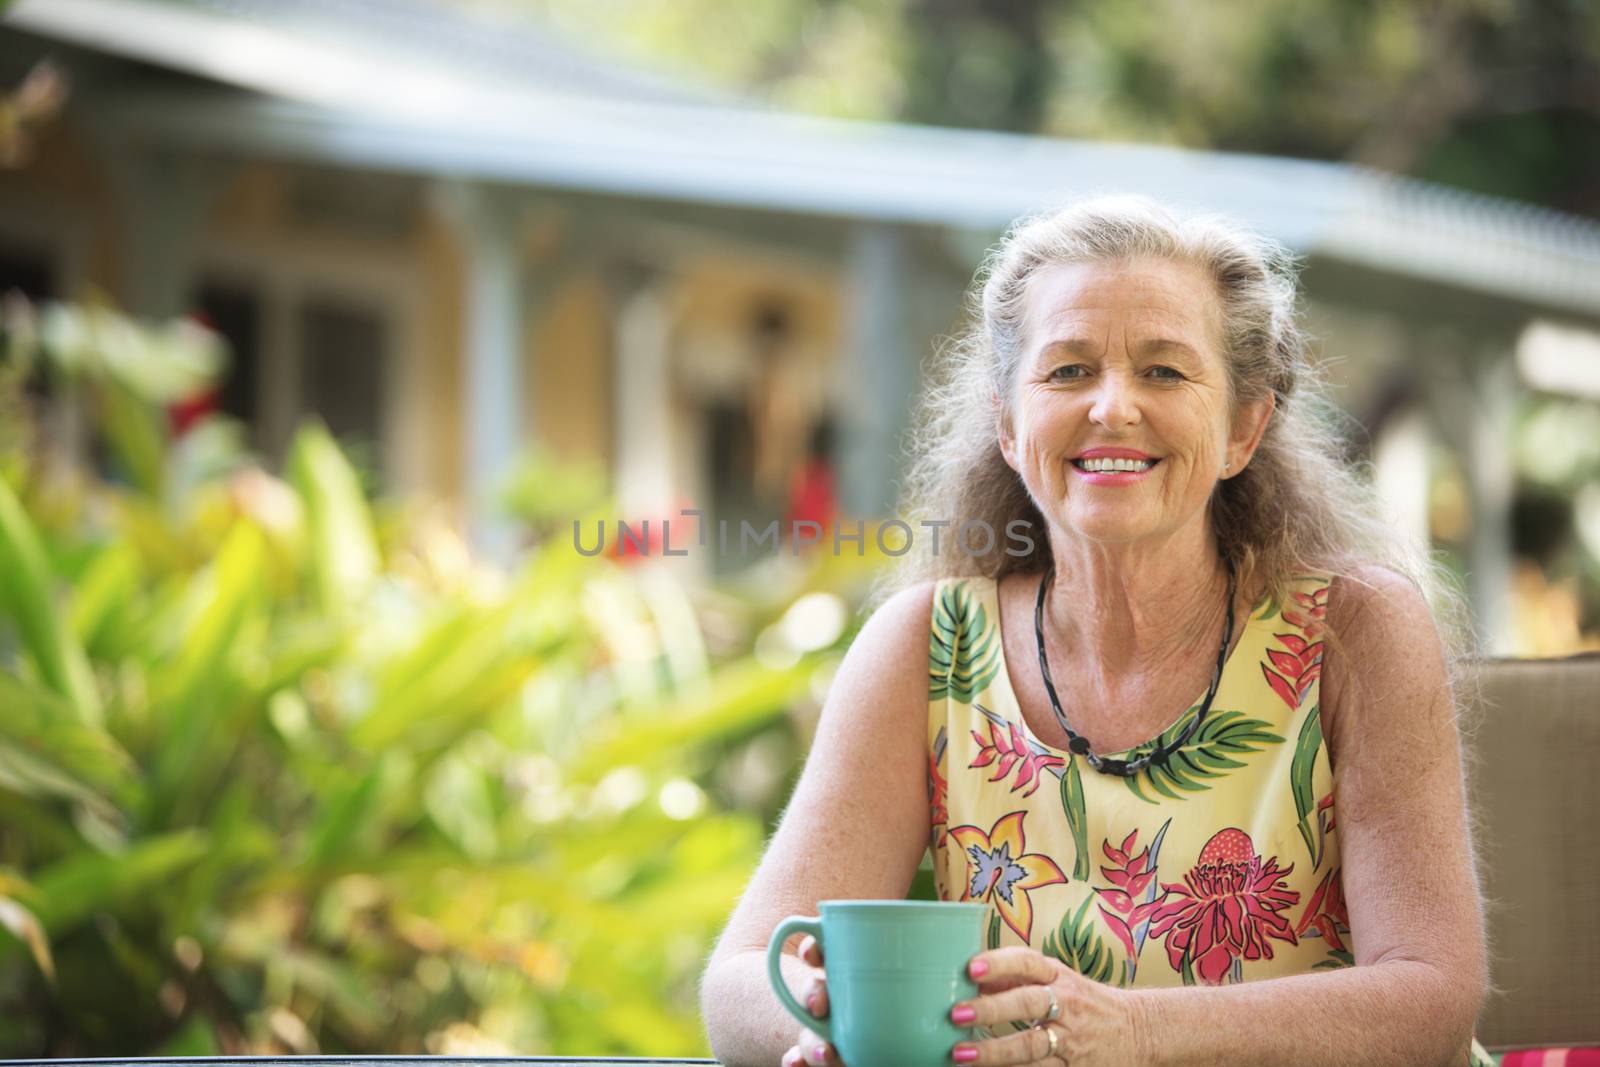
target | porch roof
[{"x": 307, "y": 81}]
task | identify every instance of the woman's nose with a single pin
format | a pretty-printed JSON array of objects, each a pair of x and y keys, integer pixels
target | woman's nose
[{"x": 1115, "y": 404}]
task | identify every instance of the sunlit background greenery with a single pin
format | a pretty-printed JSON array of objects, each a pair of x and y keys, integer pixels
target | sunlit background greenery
[
  {"x": 1497, "y": 96},
  {"x": 283, "y": 768}
]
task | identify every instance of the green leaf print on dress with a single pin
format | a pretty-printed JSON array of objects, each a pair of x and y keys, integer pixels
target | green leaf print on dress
[
  {"x": 1072, "y": 804},
  {"x": 1208, "y": 754},
  {"x": 1076, "y": 944},
  {"x": 1301, "y": 769},
  {"x": 964, "y": 653}
]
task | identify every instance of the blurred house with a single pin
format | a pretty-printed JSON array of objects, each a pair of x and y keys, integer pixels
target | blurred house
[{"x": 453, "y": 237}]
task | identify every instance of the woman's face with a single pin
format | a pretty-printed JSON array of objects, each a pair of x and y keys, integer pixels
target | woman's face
[{"x": 1124, "y": 356}]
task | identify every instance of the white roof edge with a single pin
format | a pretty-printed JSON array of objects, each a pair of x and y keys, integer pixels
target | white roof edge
[
  {"x": 336, "y": 104},
  {"x": 281, "y": 61},
  {"x": 929, "y": 176}
]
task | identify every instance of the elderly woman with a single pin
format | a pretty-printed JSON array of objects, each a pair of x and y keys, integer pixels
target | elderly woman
[{"x": 1193, "y": 739}]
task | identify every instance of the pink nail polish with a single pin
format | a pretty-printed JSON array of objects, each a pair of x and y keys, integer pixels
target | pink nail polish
[
  {"x": 962, "y": 1014},
  {"x": 979, "y": 968},
  {"x": 811, "y": 1004},
  {"x": 964, "y": 1054}
]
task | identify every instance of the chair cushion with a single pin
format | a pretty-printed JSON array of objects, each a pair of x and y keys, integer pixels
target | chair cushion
[
  {"x": 1534, "y": 775},
  {"x": 1550, "y": 1057}
]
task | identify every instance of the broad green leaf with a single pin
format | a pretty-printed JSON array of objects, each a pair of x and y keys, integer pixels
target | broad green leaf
[
  {"x": 199, "y": 692},
  {"x": 342, "y": 539},
  {"x": 25, "y": 595},
  {"x": 24, "y": 773},
  {"x": 68, "y": 892},
  {"x": 41, "y": 727},
  {"x": 101, "y": 597},
  {"x": 458, "y": 800},
  {"x": 137, "y": 435},
  {"x": 738, "y": 698},
  {"x": 26, "y": 928},
  {"x": 345, "y": 813}
]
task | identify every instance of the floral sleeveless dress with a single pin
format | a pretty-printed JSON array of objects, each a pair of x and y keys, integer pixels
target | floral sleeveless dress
[{"x": 1221, "y": 866}]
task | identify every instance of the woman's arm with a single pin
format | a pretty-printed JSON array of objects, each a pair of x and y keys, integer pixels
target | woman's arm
[
  {"x": 1409, "y": 882},
  {"x": 856, "y": 826}
]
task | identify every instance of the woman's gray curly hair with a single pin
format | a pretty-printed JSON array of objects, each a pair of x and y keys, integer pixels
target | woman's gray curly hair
[{"x": 1298, "y": 506}]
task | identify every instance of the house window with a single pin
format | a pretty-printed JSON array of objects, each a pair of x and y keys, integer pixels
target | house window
[
  {"x": 343, "y": 372},
  {"x": 27, "y": 271},
  {"x": 234, "y": 312}
]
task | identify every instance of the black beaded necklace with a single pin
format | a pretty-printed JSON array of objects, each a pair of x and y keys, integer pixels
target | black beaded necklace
[{"x": 1080, "y": 745}]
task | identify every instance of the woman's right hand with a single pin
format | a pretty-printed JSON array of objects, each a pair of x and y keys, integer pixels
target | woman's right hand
[{"x": 810, "y": 1048}]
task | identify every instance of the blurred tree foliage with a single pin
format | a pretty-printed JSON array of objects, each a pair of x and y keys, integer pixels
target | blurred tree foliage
[
  {"x": 1499, "y": 96},
  {"x": 285, "y": 770}
]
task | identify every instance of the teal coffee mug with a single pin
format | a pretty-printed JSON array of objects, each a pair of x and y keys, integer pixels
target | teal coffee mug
[{"x": 895, "y": 969}]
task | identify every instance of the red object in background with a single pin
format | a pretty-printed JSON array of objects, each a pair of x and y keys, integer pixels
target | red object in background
[
  {"x": 627, "y": 550},
  {"x": 186, "y": 412},
  {"x": 183, "y": 414},
  {"x": 811, "y": 496},
  {"x": 686, "y": 533}
]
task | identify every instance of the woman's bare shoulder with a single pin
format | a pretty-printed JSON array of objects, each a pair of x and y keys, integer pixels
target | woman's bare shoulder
[
  {"x": 1388, "y": 654},
  {"x": 1371, "y": 607},
  {"x": 895, "y": 635}
]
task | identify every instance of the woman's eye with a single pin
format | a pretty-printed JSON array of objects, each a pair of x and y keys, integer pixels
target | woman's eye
[
  {"x": 1166, "y": 373},
  {"x": 1066, "y": 371}
]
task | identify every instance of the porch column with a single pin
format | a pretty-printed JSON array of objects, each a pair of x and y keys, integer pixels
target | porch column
[
  {"x": 488, "y": 221},
  {"x": 1400, "y": 465},
  {"x": 642, "y": 398},
  {"x": 880, "y": 370},
  {"x": 1492, "y": 476},
  {"x": 165, "y": 196}
]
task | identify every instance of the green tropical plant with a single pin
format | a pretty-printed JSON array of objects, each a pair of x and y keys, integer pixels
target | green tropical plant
[{"x": 282, "y": 770}]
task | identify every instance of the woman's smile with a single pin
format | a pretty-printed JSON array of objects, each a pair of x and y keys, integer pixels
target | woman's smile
[{"x": 1113, "y": 466}]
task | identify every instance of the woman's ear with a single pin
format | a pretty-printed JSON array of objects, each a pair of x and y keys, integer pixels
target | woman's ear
[
  {"x": 1249, "y": 426},
  {"x": 1002, "y": 431}
]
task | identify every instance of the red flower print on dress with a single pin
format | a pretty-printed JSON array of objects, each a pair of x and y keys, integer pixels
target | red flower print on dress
[
  {"x": 1007, "y": 749},
  {"x": 938, "y": 790},
  {"x": 1003, "y": 871},
  {"x": 1297, "y": 668},
  {"x": 1127, "y": 905},
  {"x": 1309, "y": 611},
  {"x": 1227, "y": 909},
  {"x": 1327, "y": 912}
]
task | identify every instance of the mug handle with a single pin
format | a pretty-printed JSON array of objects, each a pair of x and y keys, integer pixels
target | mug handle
[{"x": 794, "y": 924}]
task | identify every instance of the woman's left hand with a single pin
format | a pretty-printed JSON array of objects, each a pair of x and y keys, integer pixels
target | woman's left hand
[{"x": 1014, "y": 985}]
